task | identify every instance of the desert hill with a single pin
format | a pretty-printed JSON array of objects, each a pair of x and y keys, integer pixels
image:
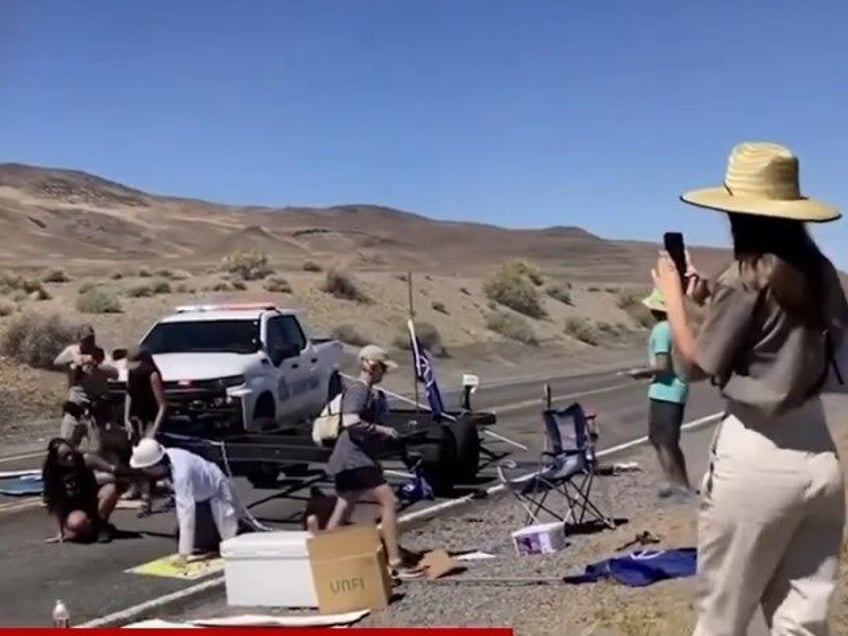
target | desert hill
[{"x": 49, "y": 214}]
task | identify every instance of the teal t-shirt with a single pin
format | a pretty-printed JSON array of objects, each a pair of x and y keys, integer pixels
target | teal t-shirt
[{"x": 667, "y": 386}]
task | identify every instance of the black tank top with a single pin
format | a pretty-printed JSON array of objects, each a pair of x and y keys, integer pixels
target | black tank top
[{"x": 143, "y": 402}]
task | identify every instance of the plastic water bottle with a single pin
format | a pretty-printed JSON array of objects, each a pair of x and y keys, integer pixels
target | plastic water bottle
[{"x": 61, "y": 616}]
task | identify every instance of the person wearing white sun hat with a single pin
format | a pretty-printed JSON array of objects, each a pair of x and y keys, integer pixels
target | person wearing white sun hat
[
  {"x": 773, "y": 503},
  {"x": 195, "y": 481}
]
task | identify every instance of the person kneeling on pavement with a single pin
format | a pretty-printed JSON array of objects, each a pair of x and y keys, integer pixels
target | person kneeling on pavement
[
  {"x": 79, "y": 504},
  {"x": 195, "y": 481},
  {"x": 353, "y": 463}
]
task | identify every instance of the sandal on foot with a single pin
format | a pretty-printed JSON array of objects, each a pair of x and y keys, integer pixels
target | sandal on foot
[{"x": 405, "y": 572}]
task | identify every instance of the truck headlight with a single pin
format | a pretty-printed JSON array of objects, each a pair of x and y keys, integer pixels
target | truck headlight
[{"x": 231, "y": 381}]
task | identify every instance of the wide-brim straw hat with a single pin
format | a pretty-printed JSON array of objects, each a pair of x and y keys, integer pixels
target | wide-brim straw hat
[
  {"x": 762, "y": 179},
  {"x": 655, "y": 301}
]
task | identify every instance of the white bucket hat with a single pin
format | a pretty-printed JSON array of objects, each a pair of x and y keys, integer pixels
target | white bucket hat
[
  {"x": 762, "y": 179},
  {"x": 147, "y": 453}
]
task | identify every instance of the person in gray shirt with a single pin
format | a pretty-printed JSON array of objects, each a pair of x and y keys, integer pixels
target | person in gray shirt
[{"x": 353, "y": 464}]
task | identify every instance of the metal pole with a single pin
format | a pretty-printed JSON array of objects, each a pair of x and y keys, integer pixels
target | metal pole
[{"x": 412, "y": 318}]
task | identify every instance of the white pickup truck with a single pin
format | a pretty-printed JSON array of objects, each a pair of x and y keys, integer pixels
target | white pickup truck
[{"x": 229, "y": 369}]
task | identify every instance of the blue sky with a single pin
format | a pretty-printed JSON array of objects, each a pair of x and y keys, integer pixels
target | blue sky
[{"x": 521, "y": 113}]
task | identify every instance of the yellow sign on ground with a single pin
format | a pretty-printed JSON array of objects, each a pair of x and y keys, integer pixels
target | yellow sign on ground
[{"x": 167, "y": 567}]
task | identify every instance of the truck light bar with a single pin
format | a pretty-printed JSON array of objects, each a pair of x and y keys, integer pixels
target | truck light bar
[{"x": 226, "y": 307}]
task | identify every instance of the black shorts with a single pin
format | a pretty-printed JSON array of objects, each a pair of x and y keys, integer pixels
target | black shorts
[
  {"x": 359, "y": 479},
  {"x": 664, "y": 422}
]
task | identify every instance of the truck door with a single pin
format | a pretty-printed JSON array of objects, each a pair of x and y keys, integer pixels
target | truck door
[{"x": 292, "y": 373}]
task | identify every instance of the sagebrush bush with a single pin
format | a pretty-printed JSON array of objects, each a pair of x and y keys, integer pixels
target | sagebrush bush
[
  {"x": 144, "y": 272},
  {"x": 142, "y": 290},
  {"x": 36, "y": 339},
  {"x": 582, "y": 329},
  {"x": 427, "y": 335},
  {"x": 7, "y": 308},
  {"x": 312, "y": 266},
  {"x": 511, "y": 287},
  {"x": 349, "y": 335},
  {"x": 440, "y": 307},
  {"x": 277, "y": 285},
  {"x": 560, "y": 293},
  {"x": 343, "y": 286},
  {"x": 55, "y": 276},
  {"x": 99, "y": 301},
  {"x": 247, "y": 265},
  {"x": 511, "y": 327},
  {"x": 116, "y": 275},
  {"x": 161, "y": 287},
  {"x": 23, "y": 287}
]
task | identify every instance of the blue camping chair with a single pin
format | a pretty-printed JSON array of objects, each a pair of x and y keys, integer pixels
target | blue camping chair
[{"x": 566, "y": 467}]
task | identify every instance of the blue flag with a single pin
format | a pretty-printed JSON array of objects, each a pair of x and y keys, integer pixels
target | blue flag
[{"x": 425, "y": 373}]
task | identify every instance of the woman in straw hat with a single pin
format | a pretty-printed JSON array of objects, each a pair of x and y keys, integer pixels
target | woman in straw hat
[
  {"x": 773, "y": 506},
  {"x": 667, "y": 396}
]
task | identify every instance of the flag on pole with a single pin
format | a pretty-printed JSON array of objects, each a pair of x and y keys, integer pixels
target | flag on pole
[{"x": 425, "y": 373}]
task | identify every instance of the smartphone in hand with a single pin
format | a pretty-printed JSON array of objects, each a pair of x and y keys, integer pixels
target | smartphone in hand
[{"x": 674, "y": 245}]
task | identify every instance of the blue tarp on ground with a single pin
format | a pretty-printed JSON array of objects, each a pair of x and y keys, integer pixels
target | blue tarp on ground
[
  {"x": 641, "y": 568},
  {"x": 23, "y": 486}
]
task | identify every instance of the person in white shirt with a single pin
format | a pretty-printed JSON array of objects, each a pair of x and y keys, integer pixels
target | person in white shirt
[{"x": 195, "y": 480}]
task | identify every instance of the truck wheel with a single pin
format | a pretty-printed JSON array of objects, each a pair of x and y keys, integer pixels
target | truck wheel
[
  {"x": 467, "y": 449},
  {"x": 438, "y": 460}
]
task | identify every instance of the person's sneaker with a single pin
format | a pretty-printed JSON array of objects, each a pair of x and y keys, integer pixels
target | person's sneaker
[
  {"x": 105, "y": 533},
  {"x": 405, "y": 572}
]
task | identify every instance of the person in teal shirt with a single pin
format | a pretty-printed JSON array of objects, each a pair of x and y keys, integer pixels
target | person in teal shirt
[{"x": 667, "y": 396}]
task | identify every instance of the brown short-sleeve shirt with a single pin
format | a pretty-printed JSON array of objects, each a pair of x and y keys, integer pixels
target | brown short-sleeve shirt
[{"x": 756, "y": 352}]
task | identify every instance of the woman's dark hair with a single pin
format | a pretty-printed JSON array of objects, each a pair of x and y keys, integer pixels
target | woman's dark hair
[
  {"x": 779, "y": 254},
  {"x": 51, "y": 472},
  {"x": 145, "y": 359}
]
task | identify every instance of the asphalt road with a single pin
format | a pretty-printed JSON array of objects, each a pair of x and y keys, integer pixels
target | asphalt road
[{"x": 92, "y": 581}]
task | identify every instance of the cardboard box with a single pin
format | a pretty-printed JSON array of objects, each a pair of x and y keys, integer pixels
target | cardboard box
[{"x": 349, "y": 569}]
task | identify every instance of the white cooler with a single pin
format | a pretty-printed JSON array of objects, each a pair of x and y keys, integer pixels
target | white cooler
[{"x": 268, "y": 569}]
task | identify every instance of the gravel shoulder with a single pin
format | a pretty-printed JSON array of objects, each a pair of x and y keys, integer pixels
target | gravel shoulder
[{"x": 663, "y": 609}]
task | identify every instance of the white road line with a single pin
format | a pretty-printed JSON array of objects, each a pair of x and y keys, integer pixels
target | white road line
[
  {"x": 137, "y": 611},
  {"x": 15, "y": 458}
]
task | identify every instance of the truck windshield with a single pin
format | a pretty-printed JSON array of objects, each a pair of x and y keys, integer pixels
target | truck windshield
[{"x": 204, "y": 336}]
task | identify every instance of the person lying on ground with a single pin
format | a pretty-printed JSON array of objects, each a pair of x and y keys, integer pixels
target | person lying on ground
[
  {"x": 194, "y": 480},
  {"x": 353, "y": 464},
  {"x": 144, "y": 408},
  {"x": 73, "y": 497}
]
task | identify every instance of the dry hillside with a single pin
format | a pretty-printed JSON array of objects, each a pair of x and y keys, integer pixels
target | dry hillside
[{"x": 85, "y": 249}]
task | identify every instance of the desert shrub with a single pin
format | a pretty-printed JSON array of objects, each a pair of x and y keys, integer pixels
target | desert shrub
[
  {"x": 142, "y": 290},
  {"x": 7, "y": 308},
  {"x": 29, "y": 287},
  {"x": 582, "y": 329},
  {"x": 36, "y": 339},
  {"x": 440, "y": 307},
  {"x": 630, "y": 301},
  {"x": 161, "y": 287},
  {"x": 116, "y": 275},
  {"x": 343, "y": 286},
  {"x": 220, "y": 286},
  {"x": 247, "y": 265},
  {"x": 312, "y": 266},
  {"x": 98, "y": 301},
  {"x": 464, "y": 291},
  {"x": 88, "y": 285},
  {"x": 349, "y": 335},
  {"x": 560, "y": 293},
  {"x": 145, "y": 273},
  {"x": 608, "y": 328},
  {"x": 593, "y": 289},
  {"x": 511, "y": 287},
  {"x": 512, "y": 327},
  {"x": 427, "y": 335},
  {"x": 277, "y": 285},
  {"x": 402, "y": 277},
  {"x": 611, "y": 290},
  {"x": 238, "y": 285},
  {"x": 55, "y": 276}
]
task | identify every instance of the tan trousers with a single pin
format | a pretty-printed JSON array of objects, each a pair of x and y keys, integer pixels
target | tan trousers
[{"x": 770, "y": 525}]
